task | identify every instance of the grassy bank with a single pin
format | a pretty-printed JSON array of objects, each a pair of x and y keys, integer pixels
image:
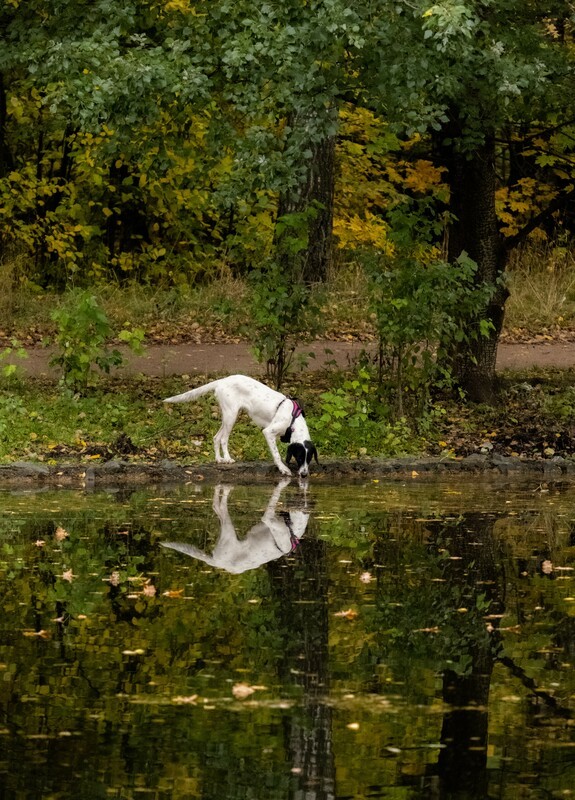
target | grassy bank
[{"x": 127, "y": 419}]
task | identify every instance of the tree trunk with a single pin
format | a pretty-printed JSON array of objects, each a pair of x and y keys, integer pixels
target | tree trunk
[
  {"x": 314, "y": 194},
  {"x": 474, "y": 230},
  {"x": 6, "y": 160}
]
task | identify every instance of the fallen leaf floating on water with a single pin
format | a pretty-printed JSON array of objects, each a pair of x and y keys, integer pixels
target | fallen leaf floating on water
[
  {"x": 190, "y": 700},
  {"x": 41, "y": 634},
  {"x": 68, "y": 575},
  {"x": 60, "y": 534},
  {"x": 173, "y": 593},
  {"x": 241, "y": 690},
  {"x": 347, "y": 614},
  {"x": 39, "y": 542}
]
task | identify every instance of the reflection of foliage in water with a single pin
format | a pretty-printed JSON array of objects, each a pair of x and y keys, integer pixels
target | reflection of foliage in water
[{"x": 99, "y": 655}]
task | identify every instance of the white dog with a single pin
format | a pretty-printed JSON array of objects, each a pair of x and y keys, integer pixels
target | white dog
[
  {"x": 276, "y": 535},
  {"x": 275, "y": 413}
]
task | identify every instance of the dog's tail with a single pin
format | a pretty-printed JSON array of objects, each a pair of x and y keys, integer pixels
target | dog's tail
[
  {"x": 192, "y": 394},
  {"x": 189, "y": 550}
]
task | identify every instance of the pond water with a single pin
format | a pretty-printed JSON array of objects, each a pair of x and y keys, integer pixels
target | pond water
[{"x": 385, "y": 639}]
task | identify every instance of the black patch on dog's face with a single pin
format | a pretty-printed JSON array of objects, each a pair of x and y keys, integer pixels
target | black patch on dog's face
[
  {"x": 302, "y": 455},
  {"x": 298, "y": 453}
]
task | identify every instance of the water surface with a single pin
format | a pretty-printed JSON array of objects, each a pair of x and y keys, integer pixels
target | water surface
[{"x": 397, "y": 640}]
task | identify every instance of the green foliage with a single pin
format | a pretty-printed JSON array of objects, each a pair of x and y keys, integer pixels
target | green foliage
[
  {"x": 15, "y": 349},
  {"x": 284, "y": 310},
  {"x": 281, "y": 309},
  {"x": 81, "y": 341},
  {"x": 352, "y": 421},
  {"x": 422, "y": 312}
]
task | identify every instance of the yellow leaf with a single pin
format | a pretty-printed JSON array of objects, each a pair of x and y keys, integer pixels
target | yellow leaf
[
  {"x": 347, "y": 614},
  {"x": 241, "y": 690}
]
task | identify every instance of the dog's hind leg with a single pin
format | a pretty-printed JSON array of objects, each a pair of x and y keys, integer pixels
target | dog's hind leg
[{"x": 222, "y": 437}]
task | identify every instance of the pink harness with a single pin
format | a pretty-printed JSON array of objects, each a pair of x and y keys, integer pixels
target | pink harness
[{"x": 297, "y": 411}]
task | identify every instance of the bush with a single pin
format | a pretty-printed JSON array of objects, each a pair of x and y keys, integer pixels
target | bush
[{"x": 81, "y": 340}]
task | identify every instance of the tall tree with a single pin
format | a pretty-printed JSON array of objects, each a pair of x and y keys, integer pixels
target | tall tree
[{"x": 467, "y": 71}]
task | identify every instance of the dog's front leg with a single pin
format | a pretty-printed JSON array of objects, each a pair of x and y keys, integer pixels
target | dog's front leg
[{"x": 270, "y": 437}]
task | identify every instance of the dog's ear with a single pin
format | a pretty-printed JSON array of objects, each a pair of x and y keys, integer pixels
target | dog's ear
[{"x": 310, "y": 446}]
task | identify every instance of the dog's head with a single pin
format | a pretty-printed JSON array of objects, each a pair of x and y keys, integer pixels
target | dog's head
[{"x": 302, "y": 453}]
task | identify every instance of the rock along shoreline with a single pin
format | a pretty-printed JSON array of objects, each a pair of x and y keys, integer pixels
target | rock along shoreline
[{"x": 118, "y": 472}]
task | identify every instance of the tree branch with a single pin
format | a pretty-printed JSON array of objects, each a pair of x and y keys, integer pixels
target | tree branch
[
  {"x": 529, "y": 683},
  {"x": 535, "y": 222}
]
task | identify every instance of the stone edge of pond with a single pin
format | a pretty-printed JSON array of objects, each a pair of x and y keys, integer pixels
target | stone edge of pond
[{"x": 119, "y": 472}]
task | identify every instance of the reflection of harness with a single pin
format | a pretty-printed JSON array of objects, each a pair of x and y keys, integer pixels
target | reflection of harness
[
  {"x": 297, "y": 411},
  {"x": 285, "y": 515}
]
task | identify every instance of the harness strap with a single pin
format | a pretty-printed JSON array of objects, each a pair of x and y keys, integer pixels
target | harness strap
[
  {"x": 297, "y": 411},
  {"x": 294, "y": 541}
]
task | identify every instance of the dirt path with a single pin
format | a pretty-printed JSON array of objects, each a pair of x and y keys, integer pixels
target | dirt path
[{"x": 200, "y": 359}]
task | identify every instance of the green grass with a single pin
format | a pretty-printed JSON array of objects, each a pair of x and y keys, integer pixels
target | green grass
[
  {"x": 542, "y": 289},
  {"x": 39, "y": 422}
]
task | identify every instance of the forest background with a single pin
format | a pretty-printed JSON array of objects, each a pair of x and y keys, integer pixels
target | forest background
[{"x": 396, "y": 171}]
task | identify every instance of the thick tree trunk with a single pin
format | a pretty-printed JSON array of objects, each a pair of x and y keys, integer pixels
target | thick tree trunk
[
  {"x": 314, "y": 194},
  {"x": 474, "y": 230}
]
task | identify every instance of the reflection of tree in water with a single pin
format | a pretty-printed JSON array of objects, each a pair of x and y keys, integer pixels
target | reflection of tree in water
[
  {"x": 475, "y": 578},
  {"x": 473, "y": 566},
  {"x": 301, "y": 594}
]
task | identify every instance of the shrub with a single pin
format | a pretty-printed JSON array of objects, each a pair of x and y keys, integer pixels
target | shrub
[{"x": 83, "y": 330}]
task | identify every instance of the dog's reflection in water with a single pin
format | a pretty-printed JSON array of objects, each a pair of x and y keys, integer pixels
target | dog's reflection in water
[{"x": 277, "y": 534}]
